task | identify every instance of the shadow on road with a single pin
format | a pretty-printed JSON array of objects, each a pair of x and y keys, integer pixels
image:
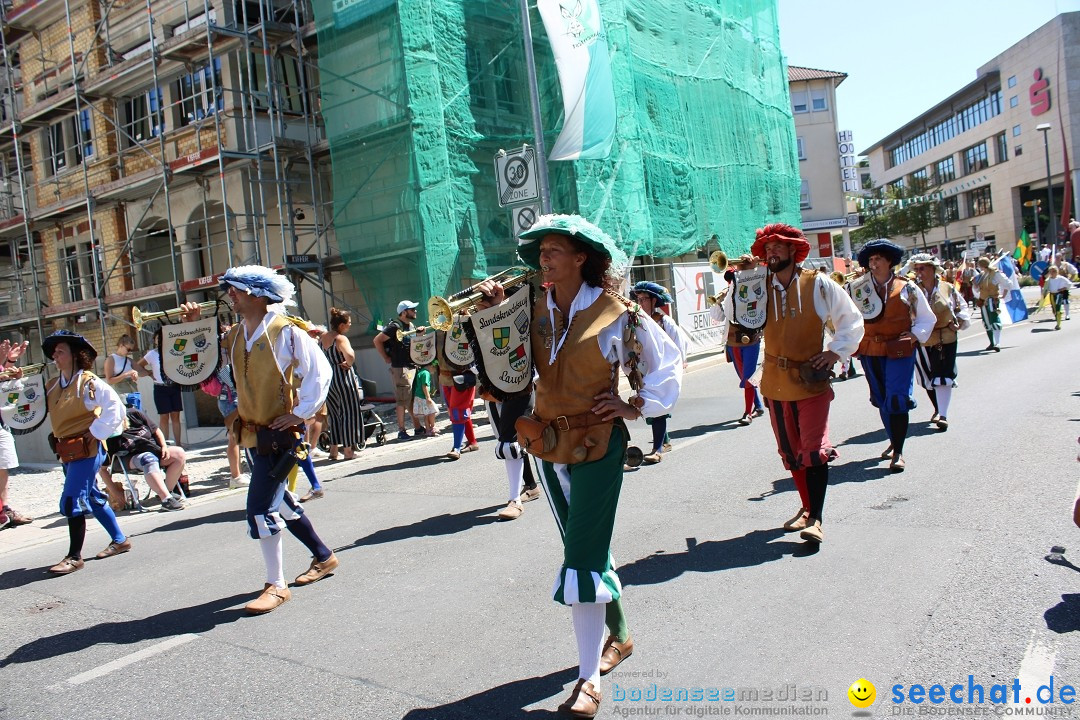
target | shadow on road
[
  {"x": 916, "y": 429},
  {"x": 194, "y": 619},
  {"x": 1041, "y": 330},
  {"x": 438, "y": 459},
  {"x": 504, "y": 701},
  {"x": 703, "y": 429},
  {"x": 753, "y": 548},
  {"x": 446, "y": 524},
  {"x": 226, "y": 516},
  {"x": 849, "y": 472},
  {"x": 1065, "y": 616}
]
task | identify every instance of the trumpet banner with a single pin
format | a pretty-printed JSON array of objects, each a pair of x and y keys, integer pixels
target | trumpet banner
[
  {"x": 501, "y": 340},
  {"x": 422, "y": 348},
  {"x": 190, "y": 351},
  {"x": 24, "y": 408},
  {"x": 456, "y": 345}
]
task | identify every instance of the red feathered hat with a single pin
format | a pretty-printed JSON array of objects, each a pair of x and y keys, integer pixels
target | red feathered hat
[{"x": 779, "y": 232}]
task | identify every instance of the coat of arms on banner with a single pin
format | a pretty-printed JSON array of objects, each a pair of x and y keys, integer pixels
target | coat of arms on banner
[
  {"x": 866, "y": 298},
  {"x": 25, "y": 409},
  {"x": 422, "y": 348},
  {"x": 193, "y": 351},
  {"x": 750, "y": 298},
  {"x": 456, "y": 346},
  {"x": 502, "y": 344}
]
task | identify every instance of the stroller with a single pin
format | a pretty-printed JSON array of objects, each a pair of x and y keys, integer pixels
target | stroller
[{"x": 371, "y": 424}]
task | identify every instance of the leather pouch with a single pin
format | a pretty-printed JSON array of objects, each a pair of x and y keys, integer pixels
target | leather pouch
[
  {"x": 275, "y": 442},
  {"x": 534, "y": 435},
  {"x": 811, "y": 375},
  {"x": 75, "y": 448},
  {"x": 899, "y": 348}
]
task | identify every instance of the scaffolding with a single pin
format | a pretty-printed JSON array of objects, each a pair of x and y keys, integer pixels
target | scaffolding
[{"x": 148, "y": 145}]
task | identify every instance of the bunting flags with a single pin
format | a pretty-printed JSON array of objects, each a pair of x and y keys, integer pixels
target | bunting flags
[{"x": 578, "y": 41}]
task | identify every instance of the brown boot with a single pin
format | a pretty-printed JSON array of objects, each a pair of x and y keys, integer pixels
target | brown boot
[
  {"x": 614, "y": 653},
  {"x": 584, "y": 701},
  {"x": 272, "y": 597}
]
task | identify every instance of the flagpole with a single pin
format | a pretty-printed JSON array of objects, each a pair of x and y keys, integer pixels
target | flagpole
[{"x": 538, "y": 123}]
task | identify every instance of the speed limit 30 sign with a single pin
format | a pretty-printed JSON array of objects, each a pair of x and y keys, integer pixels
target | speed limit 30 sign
[{"x": 515, "y": 176}]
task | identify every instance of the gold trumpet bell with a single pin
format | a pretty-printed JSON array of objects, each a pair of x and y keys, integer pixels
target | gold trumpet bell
[
  {"x": 719, "y": 262},
  {"x": 139, "y": 318},
  {"x": 441, "y": 311}
]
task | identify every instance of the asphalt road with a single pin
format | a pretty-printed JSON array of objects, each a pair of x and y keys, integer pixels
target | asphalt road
[{"x": 439, "y": 611}]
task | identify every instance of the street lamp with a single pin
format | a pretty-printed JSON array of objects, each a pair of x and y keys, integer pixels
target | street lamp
[{"x": 1044, "y": 128}]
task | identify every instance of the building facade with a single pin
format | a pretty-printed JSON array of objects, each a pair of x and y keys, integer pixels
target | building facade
[
  {"x": 980, "y": 155},
  {"x": 827, "y": 169}
]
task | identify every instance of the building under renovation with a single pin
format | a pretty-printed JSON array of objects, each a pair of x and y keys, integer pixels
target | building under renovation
[{"x": 147, "y": 145}]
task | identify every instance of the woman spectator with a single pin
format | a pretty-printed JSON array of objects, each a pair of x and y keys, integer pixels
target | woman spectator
[
  {"x": 345, "y": 398},
  {"x": 84, "y": 412}
]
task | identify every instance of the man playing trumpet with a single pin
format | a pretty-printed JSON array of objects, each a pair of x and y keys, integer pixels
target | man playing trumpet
[{"x": 743, "y": 347}]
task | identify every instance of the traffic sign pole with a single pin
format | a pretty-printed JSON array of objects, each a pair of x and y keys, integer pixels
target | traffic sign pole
[{"x": 538, "y": 123}]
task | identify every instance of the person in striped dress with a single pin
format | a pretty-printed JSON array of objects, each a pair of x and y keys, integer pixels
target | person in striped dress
[{"x": 344, "y": 400}]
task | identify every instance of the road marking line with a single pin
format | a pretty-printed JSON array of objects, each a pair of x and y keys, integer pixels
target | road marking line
[
  {"x": 130, "y": 659},
  {"x": 1036, "y": 667}
]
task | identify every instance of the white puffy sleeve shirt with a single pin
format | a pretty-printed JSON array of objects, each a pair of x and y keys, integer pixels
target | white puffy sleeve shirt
[
  {"x": 660, "y": 363},
  {"x": 312, "y": 367},
  {"x": 923, "y": 323}
]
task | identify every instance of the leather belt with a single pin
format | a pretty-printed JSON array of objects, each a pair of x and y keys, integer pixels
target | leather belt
[
  {"x": 569, "y": 422},
  {"x": 884, "y": 338},
  {"x": 783, "y": 363}
]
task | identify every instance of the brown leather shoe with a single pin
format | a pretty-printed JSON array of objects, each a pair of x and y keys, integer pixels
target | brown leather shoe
[
  {"x": 272, "y": 597},
  {"x": 813, "y": 532},
  {"x": 652, "y": 458},
  {"x": 318, "y": 570},
  {"x": 614, "y": 653},
  {"x": 897, "y": 465},
  {"x": 584, "y": 702},
  {"x": 17, "y": 518},
  {"x": 114, "y": 548},
  {"x": 798, "y": 522},
  {"x": 66, "y": 566},
  {"x": 887, "y": 453},
  {"x": 512, "y": 511},
  {"x": 313, "y": 495}
]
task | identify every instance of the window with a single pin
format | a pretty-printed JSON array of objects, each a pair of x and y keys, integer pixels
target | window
[
  {"x": 918, "y": 175},
  {"x": 142, "y": 117},
  {"x": 801, "y": 147},
  {"x": 979, "y": 202},
  {"x": 73, "y": 290},
  {"x": 1016, "y": 131},
  {"x": 945, "y": 170},
  {"x": 804, "y": 195},
  {"x": 1018, "y": 150},
  {"x": 69, "y": 141},
  {"x": 194, "y": 22},
  {"x": 951, "y": 209},
  {"x": 817, "y": 100},
  {"x": 798, "y": 102},
  {"x": 1014, "y": 101},
  {"x": 478, "y": 85},
  {"x": 897, "y": 187},
  {"x": 1012, "y": 81},
  {"x": 287, "y": 88},
  {"x": 508, "y": 85},
  {"x": 970, "y": 116},
  {"x": 200, "y": 94},
  {"x": 975, "y": 158},
  {"x": 1002, "y": 148}
]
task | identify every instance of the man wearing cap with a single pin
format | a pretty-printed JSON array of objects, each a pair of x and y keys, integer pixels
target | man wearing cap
[
  {"x": 935, "y": 361},
  {"x": 655, "y": 299},
  {"x": 85, "y": 412},
  {"x": 268, "y": 352},
  {"x": 743, "y": 346},
  {"x": 887, "y": 350},
  {"x": 396, "y": 354},
  {"x": 795, "y": 375},
  {"x": 990, "y": 287},
  {"x": 581, "y": 333}
]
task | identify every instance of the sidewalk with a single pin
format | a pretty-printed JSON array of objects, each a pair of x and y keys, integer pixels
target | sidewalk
[{"x": 35, "y": 489}]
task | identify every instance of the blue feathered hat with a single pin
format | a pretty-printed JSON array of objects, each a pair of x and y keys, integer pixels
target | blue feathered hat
[
  {"x": 885, "y": 248},
  {"x": 261, "y": 282},
  {"x": 655, "y": 289},
  {"x": 573, "y": 226}
]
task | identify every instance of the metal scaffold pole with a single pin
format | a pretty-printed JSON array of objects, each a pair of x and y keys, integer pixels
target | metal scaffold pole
[{"x": 538, "y": 123}]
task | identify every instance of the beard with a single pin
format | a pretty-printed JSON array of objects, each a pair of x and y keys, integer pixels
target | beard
[{"x": 776, "y": 264}]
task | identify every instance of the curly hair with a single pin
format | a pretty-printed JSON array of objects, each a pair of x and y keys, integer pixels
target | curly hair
[
  {"x": 594, "y": 271},
  {"x": 84, "y": 359},
  {"x": 339, "y": 318}
]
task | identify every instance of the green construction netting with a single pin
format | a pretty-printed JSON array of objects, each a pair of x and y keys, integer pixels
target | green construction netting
[{"x": 419, "y": 95}]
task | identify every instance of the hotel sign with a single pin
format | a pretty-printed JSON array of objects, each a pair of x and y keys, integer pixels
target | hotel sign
[{"x": 849, "y": 172}]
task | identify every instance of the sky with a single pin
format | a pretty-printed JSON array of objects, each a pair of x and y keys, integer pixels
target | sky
[{"x": 903, "y": 56}]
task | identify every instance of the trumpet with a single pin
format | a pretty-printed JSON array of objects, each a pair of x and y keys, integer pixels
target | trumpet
[
  {"x": 139, "y": 318},
  {"x": 402, "y": 334},
  {"x": 35, "y": 369},
  {"x": 716, "y": 299},
  {"x": 441, "y": 311},
  {"x": 719, "y": 262}
]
